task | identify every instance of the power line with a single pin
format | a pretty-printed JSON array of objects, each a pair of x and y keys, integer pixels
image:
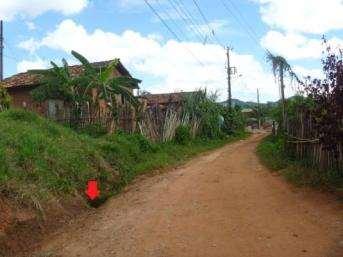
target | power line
[
  {"x": 243, "y": 19},
  {"x": 172, "y": 21},
  {"x": 251, "y": 35},
  {"x": 171, "y": 31},
  {"x": 182, "y": 16},
  {"x": 194, "y": 22},
  {"x": 207, "y": 22}
]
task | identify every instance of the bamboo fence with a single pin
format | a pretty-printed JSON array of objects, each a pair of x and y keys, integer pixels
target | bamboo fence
[{"x": 305, "y": 143}]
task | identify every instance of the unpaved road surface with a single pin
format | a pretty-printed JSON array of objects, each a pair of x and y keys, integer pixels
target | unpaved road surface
[{"x": 223, "y": 203}]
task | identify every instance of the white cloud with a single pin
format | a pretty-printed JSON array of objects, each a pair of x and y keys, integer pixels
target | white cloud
[
  {"x": 295, "y": 46},
  {"x": 308, "y": 16},
  {"x": 9, "y": 9},
  {"x": 30, "y": 25},
  {"x": 164, "y": 67},
  {"x": 30, "y": 45},
  {"x": 38, "y": 63},
  {"x": 304, "y": 72},
  {"x": 216, "y": 25}
]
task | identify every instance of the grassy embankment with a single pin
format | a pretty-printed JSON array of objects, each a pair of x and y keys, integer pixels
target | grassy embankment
[
  {"x": 41, "y": 160},
  {"x": 273, "y": 155}
]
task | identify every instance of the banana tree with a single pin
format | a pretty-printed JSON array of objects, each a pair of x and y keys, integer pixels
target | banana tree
[
  {"x": 58, "y": 83},
  {"x": 108, "y": 86}
]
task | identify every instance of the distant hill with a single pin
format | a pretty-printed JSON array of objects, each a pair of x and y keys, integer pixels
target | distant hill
[{"x": 237, "y": 102}]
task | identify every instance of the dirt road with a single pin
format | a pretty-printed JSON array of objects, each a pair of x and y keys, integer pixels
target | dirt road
[{"x": 224, "y": 203}]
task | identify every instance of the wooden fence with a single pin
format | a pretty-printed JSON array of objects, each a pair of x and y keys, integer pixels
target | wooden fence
[
  {"x": 305, "y": 143},
  {"x": 85, "y": 117}
]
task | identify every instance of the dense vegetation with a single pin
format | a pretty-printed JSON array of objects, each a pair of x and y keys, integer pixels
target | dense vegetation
[
  {"x": 274, "y": 155},
  {"x": 4, "y": 99},
  {"x": 41, "y": 160},
  {"x": 78, "y": 91},
  {"x": 309, "y": 144}
]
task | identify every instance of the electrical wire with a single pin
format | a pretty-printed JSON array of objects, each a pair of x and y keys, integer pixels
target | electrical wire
[
  {"x": 243, "y": 19},
  {"x": 252, "y": 37},
  {"x": 207, "y": 23},
  {"x": 182, "y": 15},
  {"x": 171, "y": 19},
  {"x": 171, "y": 31}
]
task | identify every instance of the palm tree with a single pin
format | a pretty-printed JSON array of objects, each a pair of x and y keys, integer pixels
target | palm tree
[{"x": 280, "y": 68}]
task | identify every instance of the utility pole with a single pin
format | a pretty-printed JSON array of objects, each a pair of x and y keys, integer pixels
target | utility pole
[
  {"x": 230, "y": 71},
  {"x": 258, "y": 109},
  {"x": 1, "y": 51}
]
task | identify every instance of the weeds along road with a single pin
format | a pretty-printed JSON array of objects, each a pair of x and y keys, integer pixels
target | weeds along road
[{"x": 223, "y": 203}]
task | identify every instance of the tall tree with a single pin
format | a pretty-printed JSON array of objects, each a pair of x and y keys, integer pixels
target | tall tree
[{"x": 281, "y": 68}]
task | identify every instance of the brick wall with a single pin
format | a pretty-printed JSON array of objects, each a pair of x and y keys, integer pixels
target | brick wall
[{"x": 21, "y": 98}]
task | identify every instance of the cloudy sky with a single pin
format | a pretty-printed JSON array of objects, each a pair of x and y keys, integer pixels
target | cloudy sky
[{"x": 188, "y": 57}]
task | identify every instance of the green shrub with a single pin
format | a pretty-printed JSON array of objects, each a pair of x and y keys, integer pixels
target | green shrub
[
  {"x": 272, "y": 153},
  {"x": 41, "y": 159},
  {"x": 182, "y": 134},
  {"x": 234, "y": 120},
  {"x": 94, "y": 130}
]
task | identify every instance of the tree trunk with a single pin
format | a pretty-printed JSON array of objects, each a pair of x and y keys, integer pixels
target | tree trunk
[{"x": 282, "y": 87}]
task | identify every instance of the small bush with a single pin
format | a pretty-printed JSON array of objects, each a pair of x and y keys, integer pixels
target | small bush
[
  {"x": 272, "y": 153},
  {"x": 182, "y": 135},
  {"x": 94, "y": 130}
]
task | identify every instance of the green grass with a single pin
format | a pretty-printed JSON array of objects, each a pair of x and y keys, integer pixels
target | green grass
[
  {"x": 272, "y": 154},
  {"x": 134, "y": 154},
  {"x": 41, "y": 160}
]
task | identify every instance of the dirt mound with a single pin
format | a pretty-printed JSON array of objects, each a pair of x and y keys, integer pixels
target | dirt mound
[{"x": 22, "y": 228}]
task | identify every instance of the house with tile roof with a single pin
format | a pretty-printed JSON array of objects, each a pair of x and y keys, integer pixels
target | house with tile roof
[{"x": 19, "y": 86}]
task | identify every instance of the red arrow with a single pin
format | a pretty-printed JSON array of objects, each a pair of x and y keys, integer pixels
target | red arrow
[{"x": 92, "y": 189}]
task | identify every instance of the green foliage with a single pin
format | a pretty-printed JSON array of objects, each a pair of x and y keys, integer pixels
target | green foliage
[
  {"x": 182, "y": 134},
  {"x": 133, "y": 157},
  {"x": 41, "y": 160},
  {"x": 59, "y": 83},
  {"x": 107, "y": 85},
  {"x": 234, "y": 120},
  {"x": 203, "y": 107},
  {"x": 272, "y": 153},
  {"x": 93, "y": 130},
  {"x": 4, "y": 99},
  {"x": 281, "y": 67}
]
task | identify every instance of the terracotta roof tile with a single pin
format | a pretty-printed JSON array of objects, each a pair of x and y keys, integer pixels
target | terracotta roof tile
[
  {"x": 28, "y": 79},
  {"x": 165, "y": 98}
]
